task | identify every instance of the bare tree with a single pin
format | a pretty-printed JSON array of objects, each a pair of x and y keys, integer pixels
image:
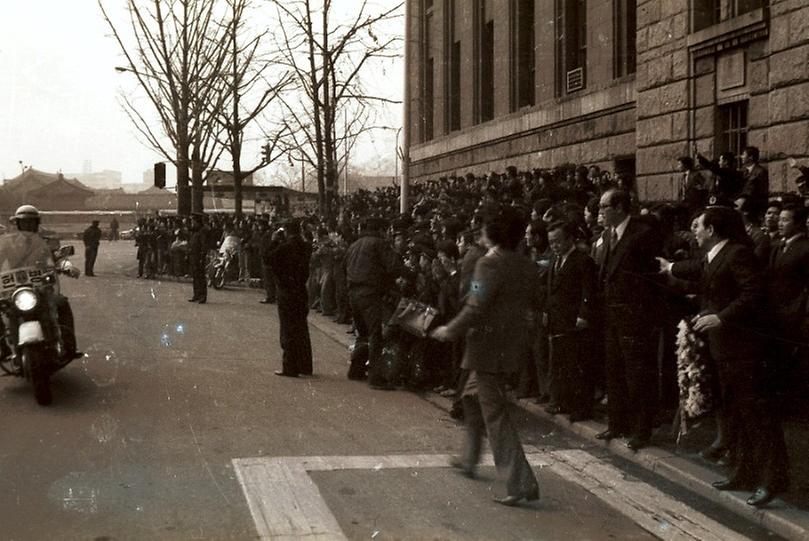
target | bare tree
[
  {"x": 177, "y": 55},
  {"x": 326, "y": 59},
  {"x": 248, "y": 94}
]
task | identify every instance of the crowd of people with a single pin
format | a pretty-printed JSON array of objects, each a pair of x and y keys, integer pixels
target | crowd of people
[{"x": 611, "y": 279}]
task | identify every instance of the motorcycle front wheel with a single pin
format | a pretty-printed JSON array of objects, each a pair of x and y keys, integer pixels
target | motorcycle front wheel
[
  {"x": 34, "y": 360},
  {"x": 218, "y": 281}
]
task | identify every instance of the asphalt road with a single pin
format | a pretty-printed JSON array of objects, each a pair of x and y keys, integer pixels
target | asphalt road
[{"x": 174, "y": 427}]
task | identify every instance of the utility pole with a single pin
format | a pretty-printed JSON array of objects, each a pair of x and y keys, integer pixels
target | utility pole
[
  {"x": 404, "y": 190},
  {"x": 345, "y": 142}
]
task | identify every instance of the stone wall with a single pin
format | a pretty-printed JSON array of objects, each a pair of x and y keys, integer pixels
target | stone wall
[
  {"x": 761, "y": 56},
  {"x": 663, "y": 95}
]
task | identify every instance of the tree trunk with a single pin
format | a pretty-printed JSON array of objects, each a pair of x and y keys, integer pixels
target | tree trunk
[
  {"x": 197, "y": 192},
  {"x": 183, "y": 193}
]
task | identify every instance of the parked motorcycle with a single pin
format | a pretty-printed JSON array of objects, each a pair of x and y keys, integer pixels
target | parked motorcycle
[{"x": 33, "y": 345}]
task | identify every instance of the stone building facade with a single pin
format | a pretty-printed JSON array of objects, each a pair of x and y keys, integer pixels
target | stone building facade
[{"x": 629, "y": 85}]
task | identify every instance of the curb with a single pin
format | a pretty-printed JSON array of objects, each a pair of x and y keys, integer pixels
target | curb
[{"x": 779, "y": 517}]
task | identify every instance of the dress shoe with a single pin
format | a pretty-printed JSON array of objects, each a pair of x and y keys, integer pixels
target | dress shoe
[
  {"x": 761, "y": 497},
  {"x": 464, "y": 469},
  {"x": 553, "y": 409},
  {"x": 608, "y": 435},
  {"x": 730, "y": 484},
  {"x": 579, "y": 417},
  {"x": 202, "y": 301},
  {"x": 511, "y": 501},
  {"x": 637, "y": 442},
  {"x": 285, "y": 374},
  {"x": 713, "y": 453},
  {"x": 193, "y": 300}
]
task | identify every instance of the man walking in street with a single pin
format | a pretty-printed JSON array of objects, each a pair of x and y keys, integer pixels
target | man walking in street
[
  {"x": 290, "y": 265},
  {"x": 91, "y": 238},
  {"x": 496, "y": 322},
  {"x": 197, "y": 255}
]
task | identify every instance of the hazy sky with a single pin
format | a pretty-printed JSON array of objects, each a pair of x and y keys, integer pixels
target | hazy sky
[{"x": 59, "y": 95}]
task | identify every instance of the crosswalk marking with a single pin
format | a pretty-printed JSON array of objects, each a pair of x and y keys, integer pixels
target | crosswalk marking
[{"x": 286, "y": 503}]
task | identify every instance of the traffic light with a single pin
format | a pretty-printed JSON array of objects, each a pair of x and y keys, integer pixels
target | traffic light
[
  {"x": 265, "y": 153},
  {"x": 160, "y": 175}
]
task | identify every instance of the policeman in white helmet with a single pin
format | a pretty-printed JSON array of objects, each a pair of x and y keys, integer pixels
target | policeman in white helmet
[{"x": 26, "y": 248}]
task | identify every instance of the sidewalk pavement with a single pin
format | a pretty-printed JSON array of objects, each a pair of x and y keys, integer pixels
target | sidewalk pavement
[{"x": 681, "y": 465}]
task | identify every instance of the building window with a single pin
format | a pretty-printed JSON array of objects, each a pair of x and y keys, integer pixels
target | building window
[
  {"x": 522, "y": 53},
  {"x": 705, "y": 13},
  {"x": 571, "y": 45},
  {"x": 625, "y": 37},
  {"x": 732, "y": 136},
  {"x": 483, "y": 58},
  {"x": 428, "y": 76},
  {"x": 452, "y": 75},
  {"x": 740, "y": 7}
]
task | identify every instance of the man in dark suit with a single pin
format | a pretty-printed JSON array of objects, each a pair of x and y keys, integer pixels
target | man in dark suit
[
  {"x": 371, "y": 270},
  {"x": 91, "y": 238},
  {"x": 787, "y": 283},
  {"x": 732, "y": 295},
  {"x": 571, "y": 284},
  {"x": 755, "y": 182},
  {"x": 197, "y": 255},
  {"x": 265, "y": 246},
  {"x": 290, "y": 265},
  {"x": 627, "y": 276},
  {"x": 496, "y": 321}
]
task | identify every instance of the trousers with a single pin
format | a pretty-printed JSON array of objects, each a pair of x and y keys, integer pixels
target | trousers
[{"x": 485, "y": 408}]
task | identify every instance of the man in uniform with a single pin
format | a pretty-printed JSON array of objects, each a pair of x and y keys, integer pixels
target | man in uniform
[
  {"x": 91, "y": 238},
  {"x": 26, "y": 248},
  {"x": 197, "y": 254},
  {"x": 290, "y": 264}
]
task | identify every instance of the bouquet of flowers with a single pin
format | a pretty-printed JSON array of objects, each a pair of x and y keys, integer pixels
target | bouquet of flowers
[{"x": 693, "y": 377}]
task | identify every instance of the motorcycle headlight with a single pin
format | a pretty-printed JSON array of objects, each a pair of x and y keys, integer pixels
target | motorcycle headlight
[{"x": 25, "y": 300}]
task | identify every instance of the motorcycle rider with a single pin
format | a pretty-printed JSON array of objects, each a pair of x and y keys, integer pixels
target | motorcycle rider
[{"x": 26, "y": 248}]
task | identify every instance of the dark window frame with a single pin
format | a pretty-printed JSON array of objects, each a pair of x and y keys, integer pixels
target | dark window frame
[{"x": 732, "y": 127}]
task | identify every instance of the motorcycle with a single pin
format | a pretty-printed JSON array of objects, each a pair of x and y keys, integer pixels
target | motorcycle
[
  {"x": 220, "y": 268},
  {"x": 33, "y": 346}
]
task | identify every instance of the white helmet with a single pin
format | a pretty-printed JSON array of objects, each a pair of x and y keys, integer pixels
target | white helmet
[{"x": 26, "y": 211}]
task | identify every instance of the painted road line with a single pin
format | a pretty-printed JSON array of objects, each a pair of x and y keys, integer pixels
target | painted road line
[
  {"x": 286, "y": 503},
  {"x": 651, "y": 509}
]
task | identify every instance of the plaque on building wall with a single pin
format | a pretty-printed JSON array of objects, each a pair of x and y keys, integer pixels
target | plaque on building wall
[{"x": 730, "y": 70}]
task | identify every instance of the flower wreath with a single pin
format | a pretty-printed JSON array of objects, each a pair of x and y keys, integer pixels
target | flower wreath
[{"x": 693, "y": 377}]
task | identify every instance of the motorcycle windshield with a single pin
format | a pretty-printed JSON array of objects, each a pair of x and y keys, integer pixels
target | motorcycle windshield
[{"x": 22, "y": 250}]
